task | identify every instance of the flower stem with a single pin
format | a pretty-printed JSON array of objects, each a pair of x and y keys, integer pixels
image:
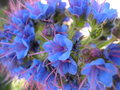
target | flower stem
[{"x": 106, "y": 42}]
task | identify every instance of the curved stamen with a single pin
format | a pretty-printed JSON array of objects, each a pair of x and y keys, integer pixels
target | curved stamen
[
  {"x": 37, "y": 53},
  {"x": 82, "y": 83},
  {"x": 50, "y": 75},
  {"x": 115, "y": 55},
  {"x": 104, "y": 69},
  {"x": 6, "y": 54}
]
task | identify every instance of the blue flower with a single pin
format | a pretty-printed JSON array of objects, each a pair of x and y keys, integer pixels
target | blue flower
[
  {"x": 10, "y": 28},
  {"x": 61, "y": 29},
  {"x": 78, "y": 7},
  {"x": 18, "y": 21},
  {"x": 36, "y": 70},
  {"x": 21, "y": 41},
  {"x": 67, "y": 66},
  {"x": 99, "y": 72},
  {"x": 102, "y": 12},
  {"x": 21, "y": 47},
  {"x": 28, "y": 34},
  {"x": 39, "y": 10},
  {"x": 59, "y": 48},
  {"x": 112, "y": 53},
  {"x": 20, "y": 18}
]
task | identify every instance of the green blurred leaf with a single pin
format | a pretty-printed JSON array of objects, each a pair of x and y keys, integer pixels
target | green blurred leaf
[
  {"x": 3, "y": 15},
  {"x": 96, "y": 33}
]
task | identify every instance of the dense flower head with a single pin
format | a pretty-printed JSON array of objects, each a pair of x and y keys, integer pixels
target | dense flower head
[
  {"x": 44, "y": 44},
  {"x": 99, "y": 72}
]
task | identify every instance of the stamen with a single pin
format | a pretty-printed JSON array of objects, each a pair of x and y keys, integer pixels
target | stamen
[
  {"x": 11, "y": 32},
  {"x": 45, "y": 61},
  {"x": 55, "y": 76},
  {"x": 5, "y": 43},
  {"x": 82, "y": 83},
  {"x": 62, "y": 33},
  {"x": 6, "y": 51},
  {"x": 116, "y": 51},
  {"x": 115, "y": 55},
  {"x": 24, "y": 6},
  {"x": 73, "y": 85},
  {"x": 44, "y": 37},
  {"x": 104, "y": 69},
  {"x": 25, "y": 85},
  {"x": 9, "y": 39},
  {"x": 6, "y": 55},
  {"x": 50, "y": 63},
  {"x": 60, "y": 67},
  {"x": 86, "y": 68},
  {"x": 93, "y": 80},
  {"x": 13, "y": 58},
  {"x": 50, "y": 75},
  {"x": 61, "y": 81},
  {"x": 37, "y": 53}
]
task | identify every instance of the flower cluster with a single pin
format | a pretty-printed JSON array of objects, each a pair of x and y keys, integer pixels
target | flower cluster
[{"x": 37, "y": 43}]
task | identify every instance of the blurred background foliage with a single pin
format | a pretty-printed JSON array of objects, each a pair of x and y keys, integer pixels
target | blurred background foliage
[{"x": 3, "y": 5}]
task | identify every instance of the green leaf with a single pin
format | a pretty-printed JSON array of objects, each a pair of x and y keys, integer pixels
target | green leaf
[{"x": 96, "y": 33}]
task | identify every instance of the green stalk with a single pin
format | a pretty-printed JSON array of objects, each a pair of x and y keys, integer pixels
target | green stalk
[{"x": 106, "y": 43}]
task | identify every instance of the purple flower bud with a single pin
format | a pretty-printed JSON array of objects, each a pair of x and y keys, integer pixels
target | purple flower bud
[
  {"x": 116, "y": 32},
  {"x": 95, "y": 52},
  {"x": 86, "y": 51}
]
